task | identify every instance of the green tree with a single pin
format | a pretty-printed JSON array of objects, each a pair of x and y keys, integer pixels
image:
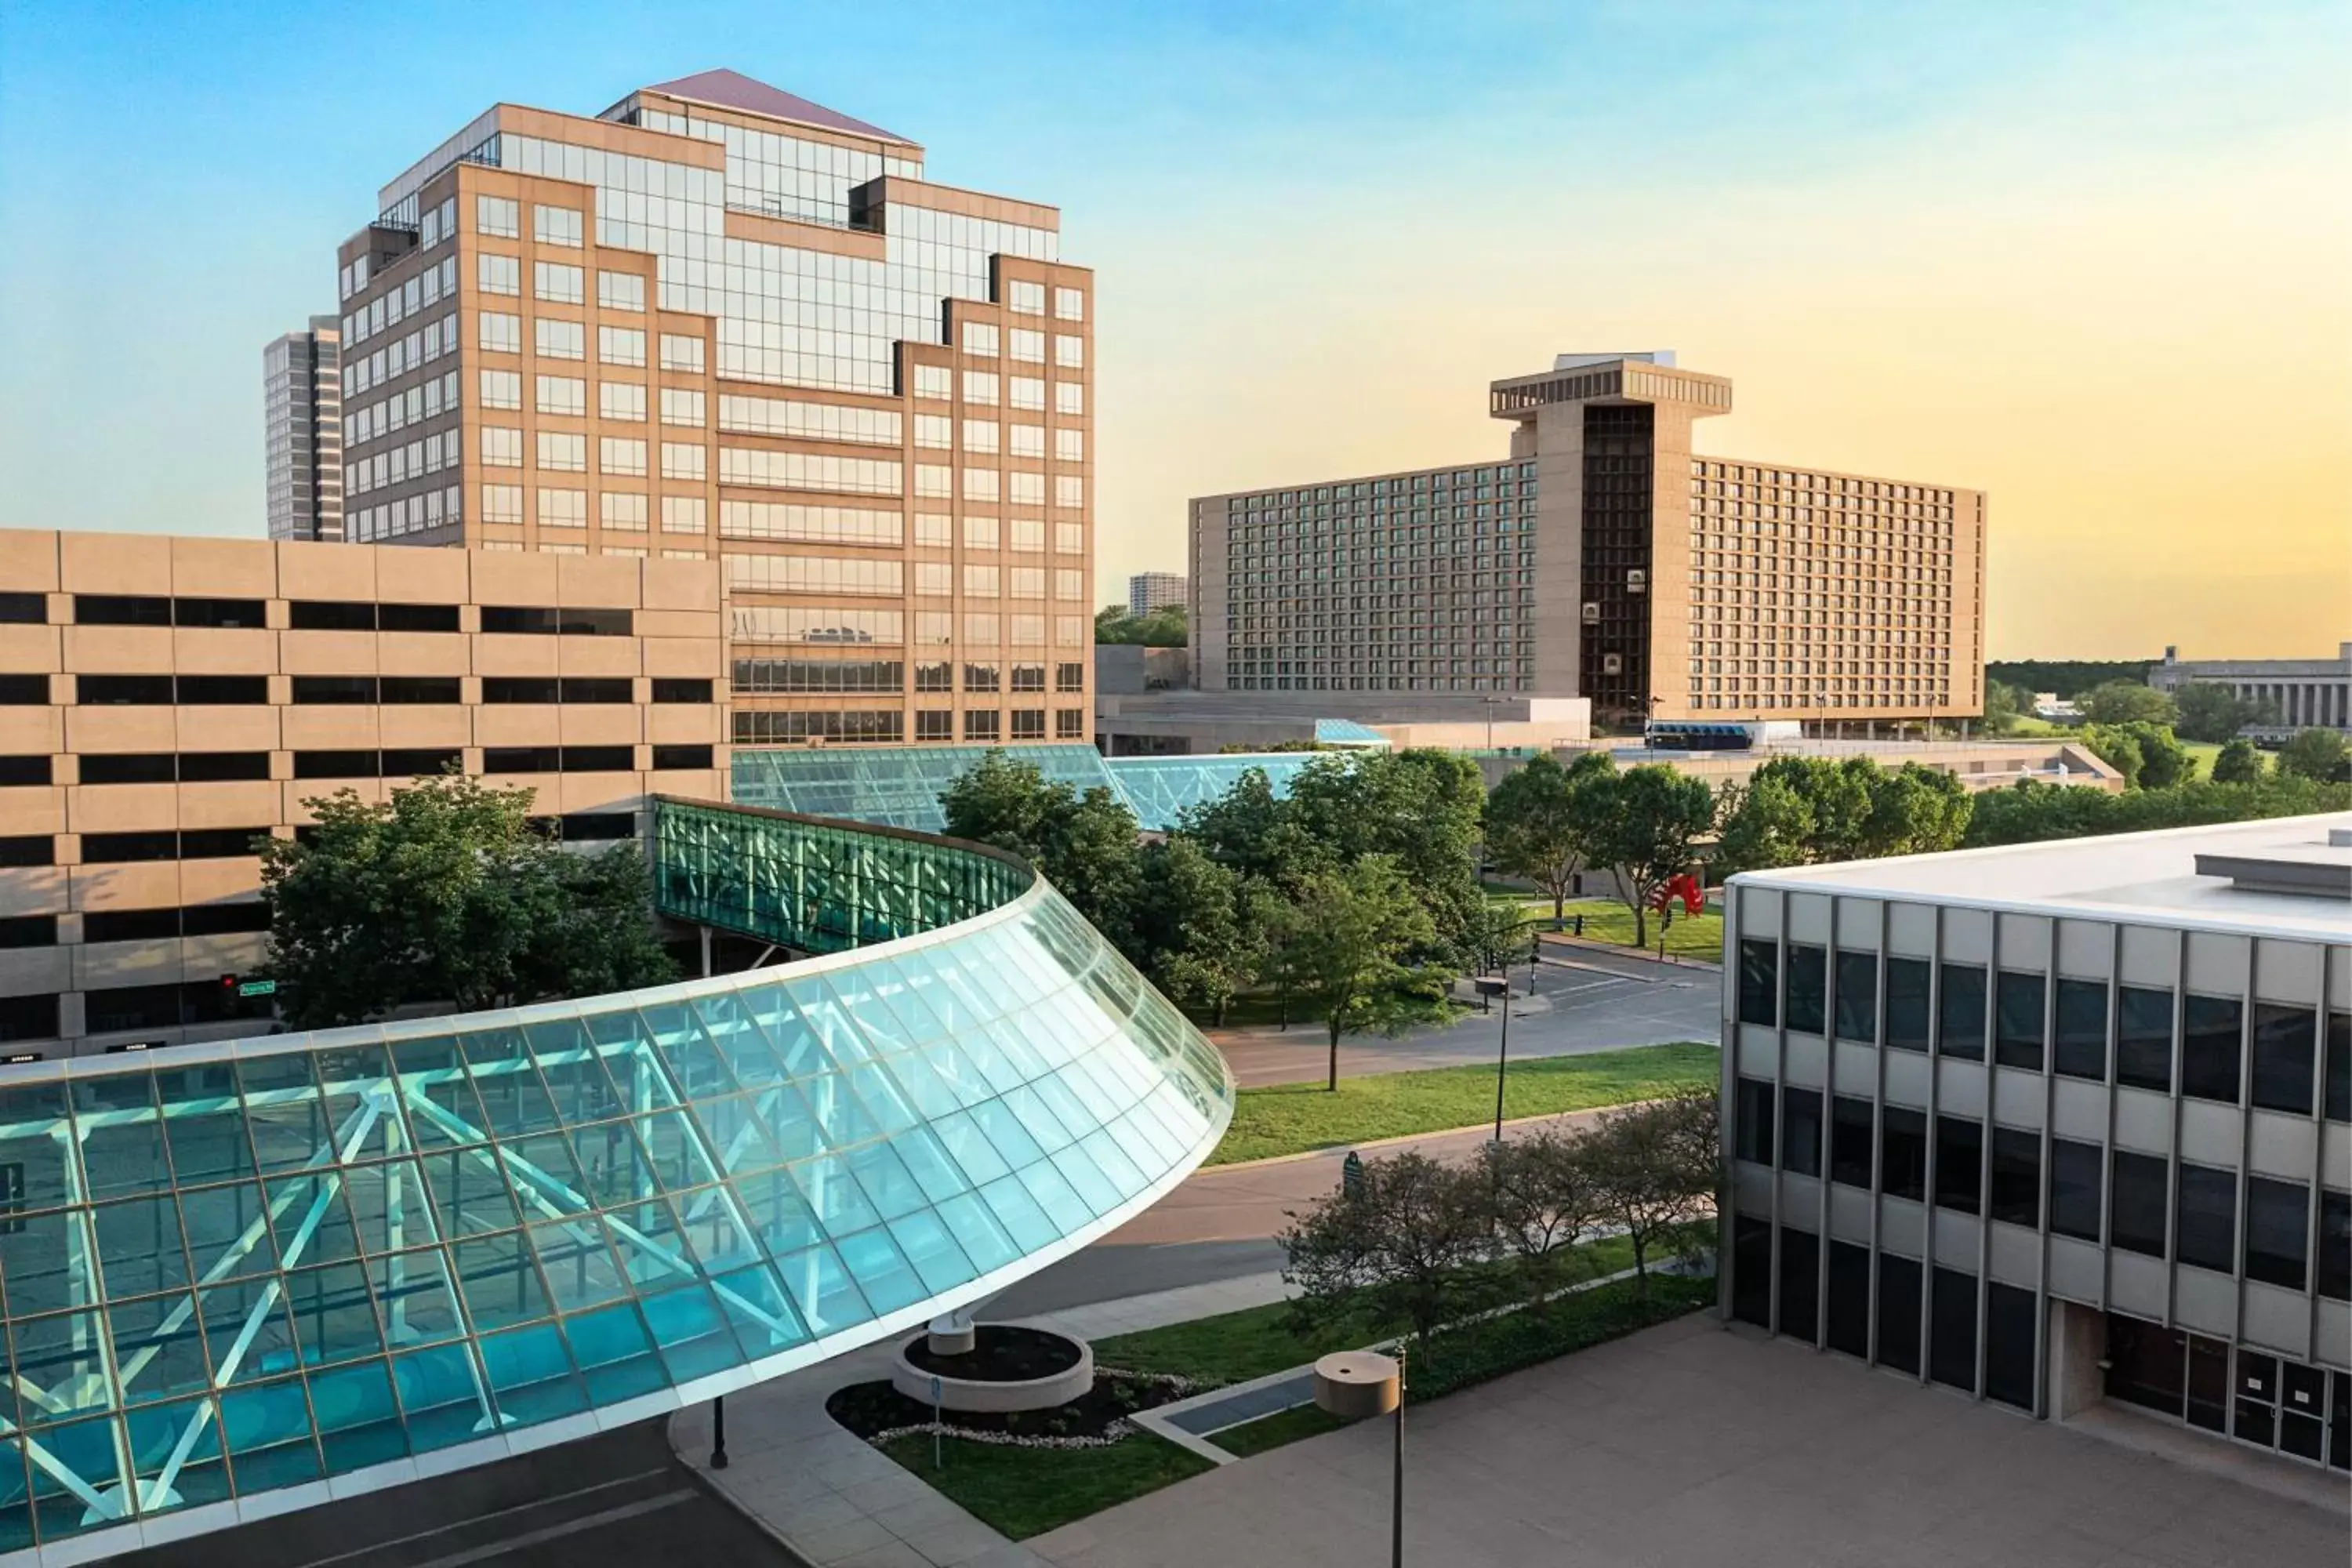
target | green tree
[
  {"x": 444, "y": 894},
  {"x": 1164, "y": 627},
  {"x": 1083, "y": 844},
  {"x": 1419, "y": 808},
  {"x": 2240, "y": 762},
  {"x": 1189, "y": 927},
  {"x": 1766, "y": 823},
  {"x": 1346, "y": 955},
  {"x": 1546, "y": 1195},
  {"x": 2148, "y": 755},
  {"x": 2316, "y": 754},
  {"x": 2128, "y": 702},
  {"x": 1915, "y": 810},
  {"x": 1649, "y": 817},
  {"x": 2214, "y": 714},
  {"x": 1538, "y": 824},
  {"x": 2030, "y": 811},
  {"x": 2118, "y": 747},
  {"x": 1249, "y": 830},
  {"x": 2004, "y": 705},
  {"x": 1655, "y": 1167},
  {"x": 1397, "y": 1245}
]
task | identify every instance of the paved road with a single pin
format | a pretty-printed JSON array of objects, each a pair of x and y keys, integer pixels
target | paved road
[
  {"x": 1589, "y": 1002},
  {"x": 619, "y": 1497},
  {"x": 1219, "y": 1224}
]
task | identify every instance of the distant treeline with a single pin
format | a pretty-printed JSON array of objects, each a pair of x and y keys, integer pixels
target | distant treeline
[{"x": 2067, "y": 677}]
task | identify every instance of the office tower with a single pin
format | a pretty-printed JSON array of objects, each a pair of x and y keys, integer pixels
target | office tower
[
  {"x": 721, "y": 321},
  {"x": 1603, "y": 559},
  {"x": 302, "y": 411},
  {"x": 170, "y": 700},
  {"x": 1148, "y": 591},
  {"x": 2057, "y": 1123}
]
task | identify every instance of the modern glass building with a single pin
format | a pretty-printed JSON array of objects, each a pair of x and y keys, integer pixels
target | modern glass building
[
  {"x": 248, "y": 1274},
  {"x": 2058, "y": 1123}
]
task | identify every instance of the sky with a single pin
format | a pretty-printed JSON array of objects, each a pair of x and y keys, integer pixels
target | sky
[{"x": 2093, "y": 259}]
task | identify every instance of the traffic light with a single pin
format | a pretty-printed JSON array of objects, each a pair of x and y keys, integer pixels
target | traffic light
[{"x": 228, "y": 984}]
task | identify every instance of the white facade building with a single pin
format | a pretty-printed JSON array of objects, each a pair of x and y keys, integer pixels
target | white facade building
[
  {"x": 2309, "y": 693},
  {"x": 2058, "y": 1123}
]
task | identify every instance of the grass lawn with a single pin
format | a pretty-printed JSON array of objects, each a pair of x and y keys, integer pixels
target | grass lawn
[
  {"x": 1295, "y": 1117},
  {"x": 1273, "y": 1431},
  {"x": 1022, "y": 1493},
  {"x": 1697, "y": 936}
]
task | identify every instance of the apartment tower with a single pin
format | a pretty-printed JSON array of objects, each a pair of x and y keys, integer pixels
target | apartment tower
[
  {"x": 302, "y": 415},
  {"x": 1604, "y": 559},
  {"x": 721, "y": 321},
  {"x": 1149, "y": 591}
]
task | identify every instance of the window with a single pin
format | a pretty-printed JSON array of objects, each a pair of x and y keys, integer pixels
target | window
[
  {"x": 622, "y": 346},
  {"x": 1759, "y": 982},
  {"x": 934, "y": 724},
  {"x": 1070, "y": 304},
  {"x": 1028, "y": 723},
  {"x": 620, "y": 291},
  {"x": 1069, "y": 723},
  {"x": 1961, "y": 1024},
  {"x": 120, "y": 610},
  {"x": 1752, "y": 1129},
  {"x": 979, "y": 338},
  {"x": 2211, "y": 1031},
  {"x": 2278, "y": 1216},
  {"x": 1898, "y": 1312},
  {"x": 617, "y": 455},
  {"x": 2144, "y": 1037},
  {"x": 2017, "y": 1033},
  {"x": 22, "y": 609},
  {"x": 1903, "y": 1152},
  {"x": 1800, "y": 1282},
  {"x": 1027, "y": 346},
  {"x": 680, "y": 407},
  {"x": 620, "y": 400},
  {"x": 678, "y": 757},
  {"x": 244, "y": 613},
  {"x": 1848, "y": 1325},
  {"x": 2140, "y": 1202},
  {"x": 498, "y": 274},
  {"x": 980, "y": 387},
  {"x": 1857, "y": 996},
  {"x": 1025, "y": 299},
  {"x": 1069, "y": 352},
  {"x": 1800, "y": 1130},
  {"x": 2009, "y": 1315},
  {"x": 1853, "y": 1133},
  {"x": 1906, "y": 1004},
  {"x": 2286, "y": 1040},
  {"x": 2017, "y": 1176},
  {"x": 564, "y": 452},
  {"x": 500, "y": 333},
  {"x": 562, "y": 394},
  {"x": 558, "y": 284},
  {"x": 678, "y": 689},
  {"x": 502, "y": 388},
  {"x": 980, "y": 727},
  {"x": 561, "y": 340},
  {"x": 1070, "y": 398},
  {"x": 1069, "y": 676},
  {"x": 1802, "y": 1001},
  {"x": 622, "y": 512},
  {"x": 934, "y": 381},
  {"x": 2336, "y": 1244},
  {"x": 2207, "y": 1230},
  {"x": 2075, "y": 1170},
  {"x": 679, "y": 352},
  {"x": 502, "y": 503},
  {"x": 1952, "y": 1329},
  {"x": 1959, "y": 1162},
  {"x": 497, "y": 216},
  {"x": 2081, "y": 1048},
  {"x": 555, "y": 225},
  {"x": 537, "y": 621},
  {"x": 122, "y": 691}
]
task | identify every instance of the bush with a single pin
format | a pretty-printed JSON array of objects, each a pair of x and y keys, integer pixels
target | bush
[{"x": 1512, "y": 1341}]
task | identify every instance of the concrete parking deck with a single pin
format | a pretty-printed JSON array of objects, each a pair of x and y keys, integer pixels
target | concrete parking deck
[{"x": 1689, "y": 1445}]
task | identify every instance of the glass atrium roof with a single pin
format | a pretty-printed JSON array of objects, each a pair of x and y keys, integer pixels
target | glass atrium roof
[
  {"x": 899, "y": 786},
  {"x": 236, "y": 1275}
]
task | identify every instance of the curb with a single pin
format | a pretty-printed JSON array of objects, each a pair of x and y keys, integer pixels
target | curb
[{"x": 709, "y": 1485}]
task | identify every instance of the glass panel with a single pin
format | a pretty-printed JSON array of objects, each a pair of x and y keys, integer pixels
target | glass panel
[
  {"x": 247, "y": 1332},
  {"x": 334, "y": 1318},
  {"x": 267, "y": 1430},
  {"x": 530, "y": 1374},
  {"x": 497, "y": 1282},
  {"x": 139, "y": 1247},
  {"x": 691, "y": 1333},
  {"x": 418, "y": 1302},
  {"x": 204, "y": 1123},
  {"x": 577, "y": 1266},
  {"x": 175, "y": 1451},
  {"x": 614, "y": 1352},
  {"x": 566, "y": 1055},
  {"x": 881, "y": 1270},
  {"x": 60, "y": 1365},
  {"x": 158, "y": 1351},
  {"x": 442, "y": 1396},
  {"x": 514, "y": 1101},
  {"x": 932, "y": 1249},
  {"x": 122, "y": 1137},
  {"x": 828, "y": 1299},
  {"x": 359, "y": 1421}
]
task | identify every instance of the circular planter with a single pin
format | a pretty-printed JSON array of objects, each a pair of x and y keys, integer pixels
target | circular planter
[{"x": 1008, "y": 1369}]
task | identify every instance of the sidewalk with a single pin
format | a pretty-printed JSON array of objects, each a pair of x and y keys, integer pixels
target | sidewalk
[{"x": 838, "y": 1502}]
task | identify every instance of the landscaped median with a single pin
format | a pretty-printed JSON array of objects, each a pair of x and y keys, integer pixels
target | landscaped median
[{"x": 1301, "y": 1118}]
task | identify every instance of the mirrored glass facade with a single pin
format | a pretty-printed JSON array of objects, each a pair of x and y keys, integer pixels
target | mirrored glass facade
[{"x": 286, "y": 1265}]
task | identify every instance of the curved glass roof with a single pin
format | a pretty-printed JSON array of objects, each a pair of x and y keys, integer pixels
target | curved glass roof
[{"x": 249, "y": 1275}]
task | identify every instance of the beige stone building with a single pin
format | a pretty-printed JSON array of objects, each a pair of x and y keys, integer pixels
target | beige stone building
[
  {"x": 1604, "y": 559},
  {"x": 165, "y": 700},
  {"x": 721, "y": 321}
]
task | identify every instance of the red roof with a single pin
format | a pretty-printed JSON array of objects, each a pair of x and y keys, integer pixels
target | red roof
[{"x": 733, "y": 89}]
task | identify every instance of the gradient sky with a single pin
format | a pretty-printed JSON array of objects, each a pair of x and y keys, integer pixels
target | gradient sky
[{"x": 2095, "y": 259}]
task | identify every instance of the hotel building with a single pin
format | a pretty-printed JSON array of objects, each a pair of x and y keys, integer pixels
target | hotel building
[
  {"x": 721, "y": 321},
  {"x": 2058, "y": 1123},
  {"x": 302, "y": 435},
  {"x": 1148, "y": 591},
  {"x": 164, "y": 702},
  {"x": 1603, "y": 559}
]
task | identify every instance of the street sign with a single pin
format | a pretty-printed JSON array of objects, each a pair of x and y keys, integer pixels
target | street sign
[
  {"x": 257, "y": 988},
  {"x": 1352, "y": 1174}
]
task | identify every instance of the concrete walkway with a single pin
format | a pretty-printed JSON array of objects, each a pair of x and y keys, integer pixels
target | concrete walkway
[{"x": 838, "y": 1502}]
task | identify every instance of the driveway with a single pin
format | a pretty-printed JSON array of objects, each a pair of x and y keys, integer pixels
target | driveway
[
  {"x": 1689, "y": 1445},
  {"x": 1585, "y": 1003}
]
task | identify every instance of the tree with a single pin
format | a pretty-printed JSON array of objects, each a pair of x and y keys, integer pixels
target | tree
[
  {"x": 2117, "y": 747},
  {"x": 2316, "y": 754},
  {"x": 1420, "y": 807},
  {"x": 1655, "y": 1167},
  {"x": 1766, "y": 823},
  {"x": 2004, "y": 705},
  {"x": 2029, "y": 811},
  {"x": 1539, "y": 823},
  {"x": 2214, "y": 714},
  {"x": 1648, "y": 818},
  {"x": 1189, "y": 928},
  {"x": 1162, "y": 627},
  {"x": 2147, "y": 755},
  {"x": 1546, "y": 1195},
  {"x": 1083, "y": 844},
  {"x": 2126, "y": 702},
  {"x": 1397, "y": 1245},
  {"x": 1499, "y": 936},
  {"x": 1345, "y": 954},
  {"x": 1249, "y": 830},
  {"x": 2240, "y": 762},
  {"x": 444, "y": 894},
  {"x": 1915, "y": 810}
]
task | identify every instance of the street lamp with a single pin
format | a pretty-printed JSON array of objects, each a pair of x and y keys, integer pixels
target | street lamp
[{"x": 1489, "y": 987}]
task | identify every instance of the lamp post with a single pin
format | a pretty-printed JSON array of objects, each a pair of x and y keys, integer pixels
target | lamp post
[
  {"x": 1490, "y": 988},
  {"x": 718, "y": 1432},
  {"x": 1396, "y": 1483}
]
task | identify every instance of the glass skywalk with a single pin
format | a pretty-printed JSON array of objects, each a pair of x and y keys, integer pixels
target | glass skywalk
[{"x": 249, "y": 1275}]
